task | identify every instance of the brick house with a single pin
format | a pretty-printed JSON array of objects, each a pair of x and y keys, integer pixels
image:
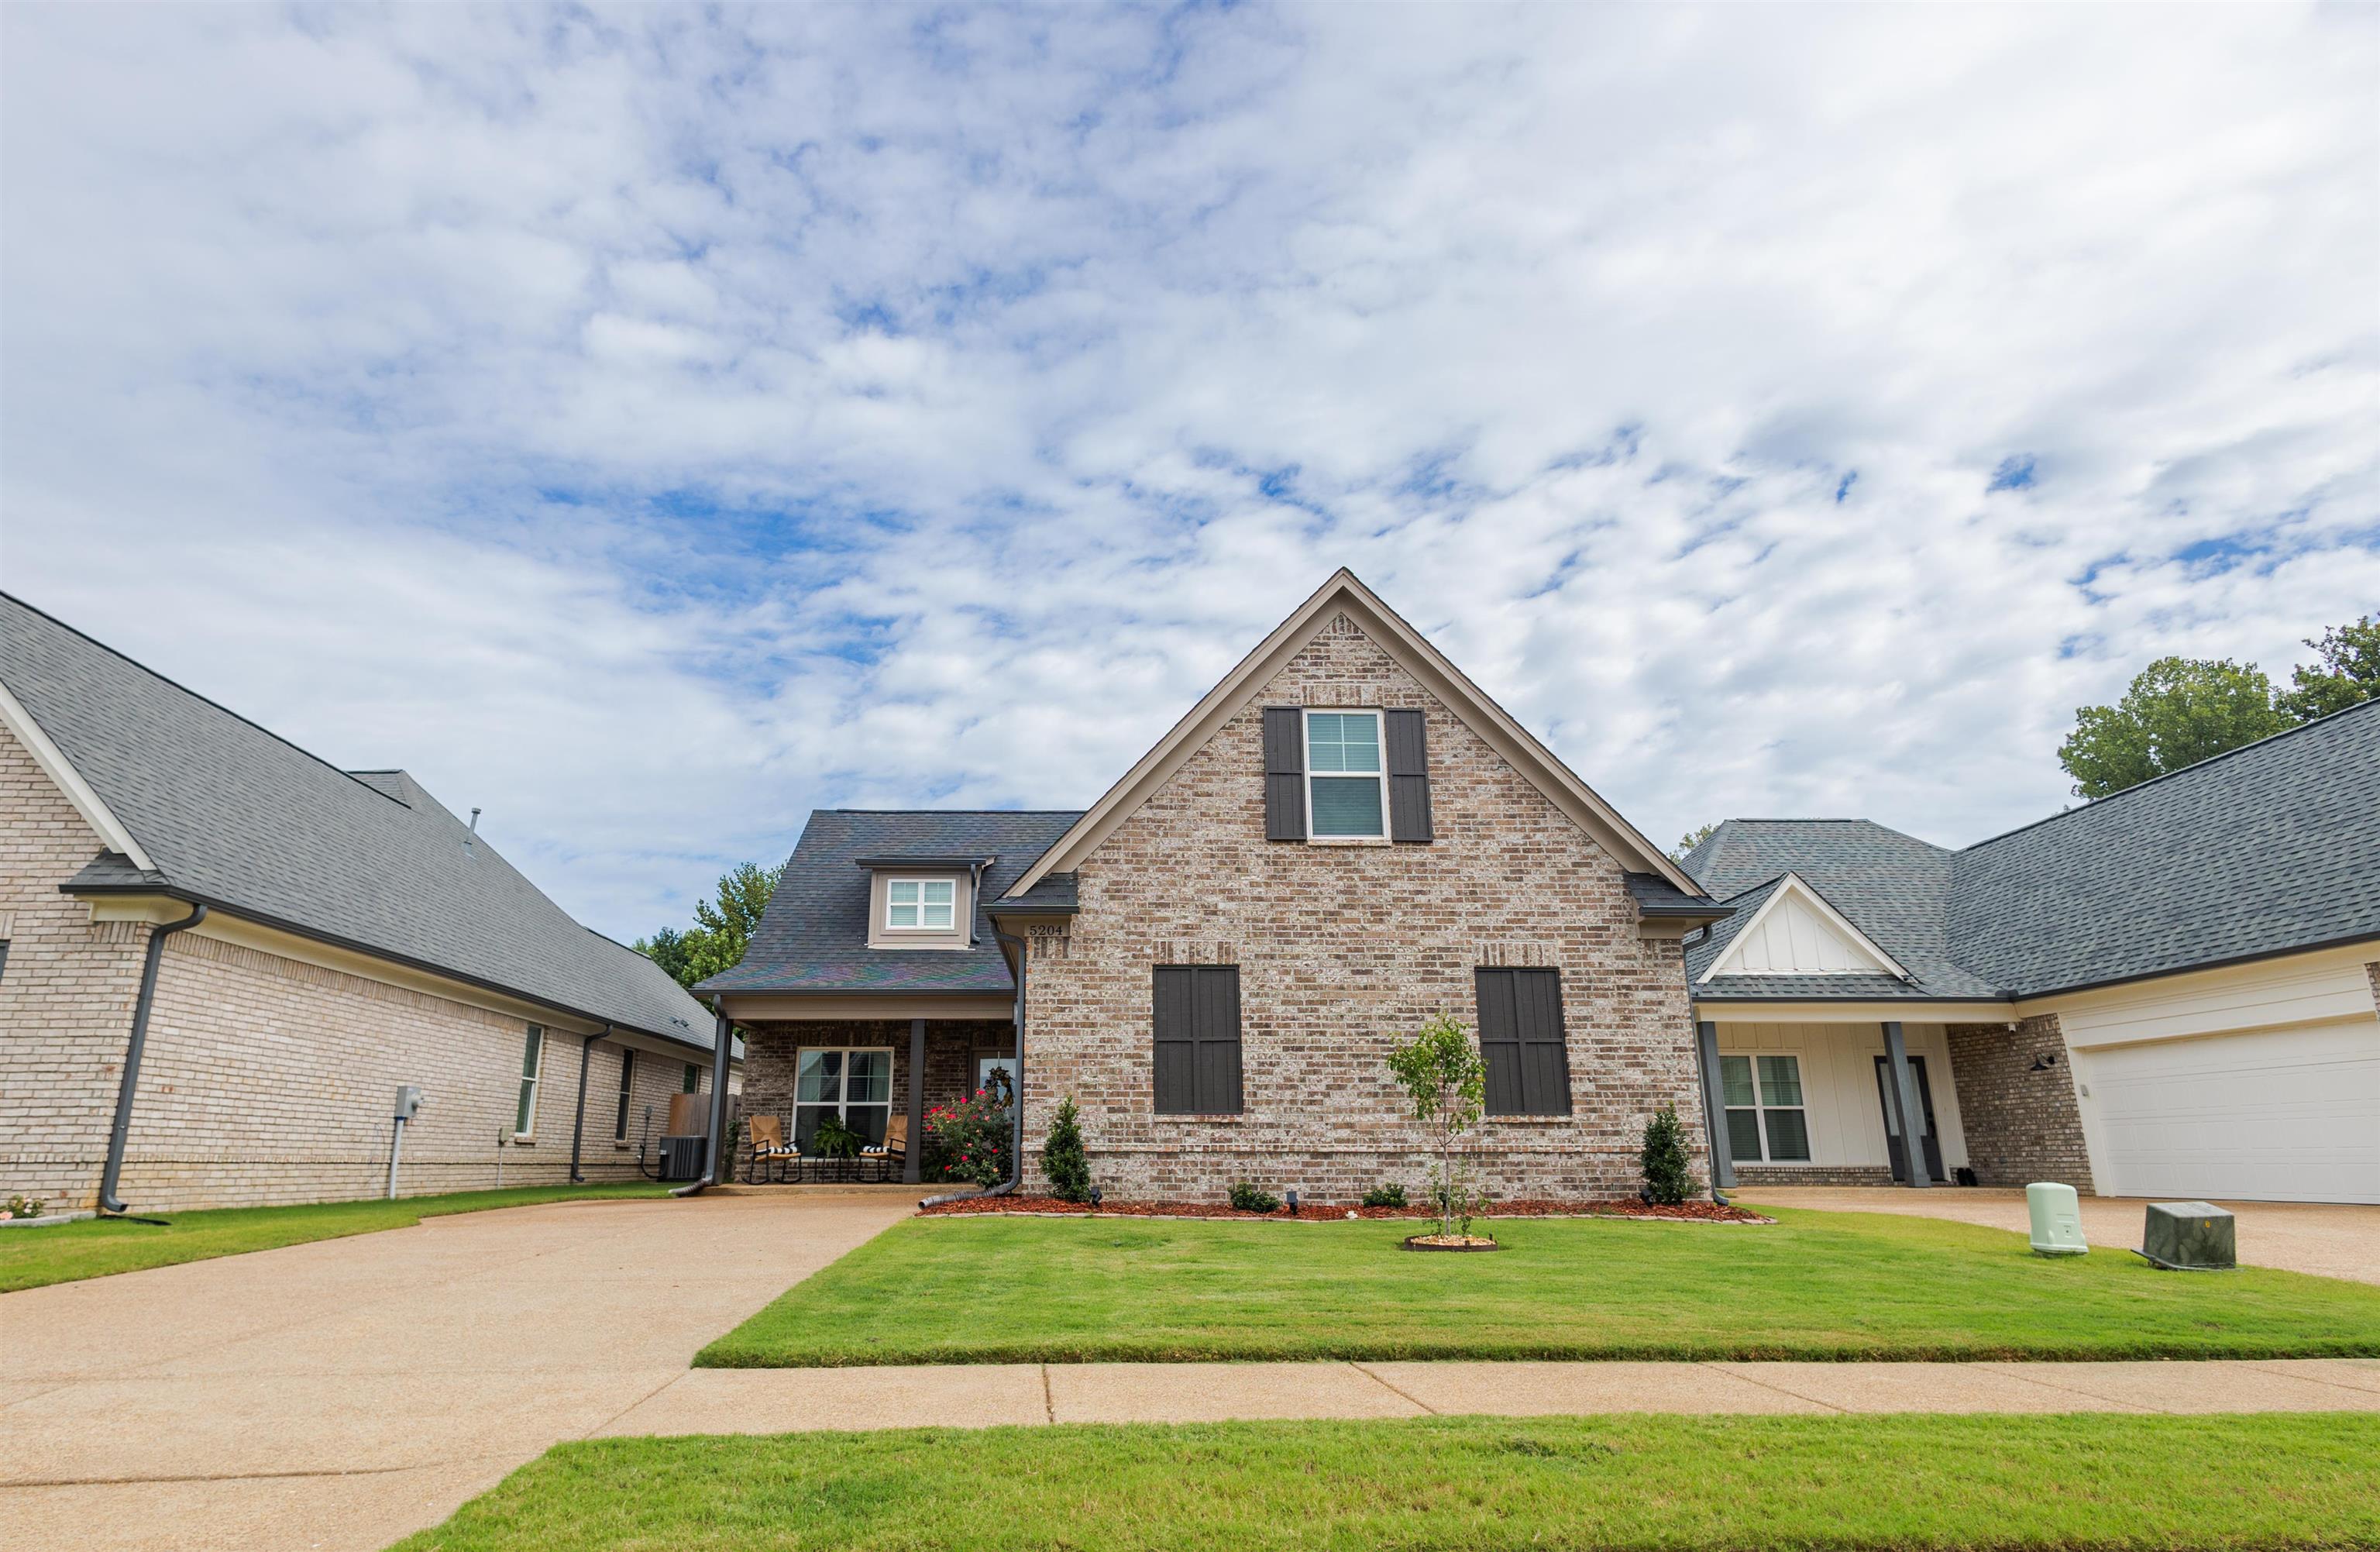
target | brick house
[
  {"x": 1342, "y": 839},
  {"x": 296, "y": 941},
  {"x": 2170, "y": 991}
]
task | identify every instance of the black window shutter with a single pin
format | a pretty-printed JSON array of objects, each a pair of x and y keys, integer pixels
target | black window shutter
[
  {"x": 1196, "y": 1021},
  {"x": 1521, "y": 1036},
  {"x": 1408, "y": 778},
  {"x": 1284, "y": 758}
]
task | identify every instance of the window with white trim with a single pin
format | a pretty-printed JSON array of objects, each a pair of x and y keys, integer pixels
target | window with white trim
[
  {"x": 627, "y": 1091},
  {"x": 532, "y": 1064},
  {"x": 853, "y": 1083},
  {"x": 692, "y": 1082},
  {"x": 1346, "y": 781},
  {"x": 1766, "y": 1123},
  {"x": 920, "y": 904}
]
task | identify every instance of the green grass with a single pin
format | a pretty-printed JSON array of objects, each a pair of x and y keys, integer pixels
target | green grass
[
  {"x": 100, "y": 1247},
  {"x": 1815, "y": 1285},
  {"x": 1925, "y": 1481}
]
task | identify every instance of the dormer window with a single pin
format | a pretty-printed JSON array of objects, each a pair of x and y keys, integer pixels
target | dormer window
[{"x": 920, "y": 904}]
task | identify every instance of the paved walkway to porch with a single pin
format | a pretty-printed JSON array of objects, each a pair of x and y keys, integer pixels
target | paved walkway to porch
[
  {"x": 2328, "y": 1239},
  {"x": 988, "y": 1395}
]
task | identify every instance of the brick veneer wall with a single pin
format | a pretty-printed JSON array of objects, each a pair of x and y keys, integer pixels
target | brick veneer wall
[
  {"x": 2021, "y": 1125},
  {"x": 66, "y": 993},
  {"x": 1343, "y": 952},
  {"x": 267, "y": 1080},
  {"x": 1814, "y": 1174}
]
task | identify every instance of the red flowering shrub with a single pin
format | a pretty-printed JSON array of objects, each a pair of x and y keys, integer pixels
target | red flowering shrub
[{"x": 969, "y": 1141}]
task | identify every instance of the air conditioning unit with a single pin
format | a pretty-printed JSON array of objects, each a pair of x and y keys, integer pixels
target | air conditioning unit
[{"x": 682, "y": 1157}]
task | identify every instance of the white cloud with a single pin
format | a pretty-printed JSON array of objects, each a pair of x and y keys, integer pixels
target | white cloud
[{"x": 651, "y": 424}]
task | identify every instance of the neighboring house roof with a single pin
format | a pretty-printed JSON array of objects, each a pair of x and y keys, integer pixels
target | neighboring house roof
[
  {"x": 2271, "y": 848},
  {"x": 1345, "y": 593},
  {"x": 813, "y": 938},
  {"x": 218, "y": 810}
]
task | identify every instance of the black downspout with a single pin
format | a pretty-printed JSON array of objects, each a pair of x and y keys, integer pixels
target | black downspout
[
  {"x": 1016, "y": 1150},
  {"x": 723, "y": 1037},
  {"x": 108, "y": 1200},
  {"x": 578, "y": 1125}
]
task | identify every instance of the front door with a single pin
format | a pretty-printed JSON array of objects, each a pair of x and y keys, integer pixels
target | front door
[{"x": 1931, "y": 1140}]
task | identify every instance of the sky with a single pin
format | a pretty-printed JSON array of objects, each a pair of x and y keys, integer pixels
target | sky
[{"x": 649, "y": 425}]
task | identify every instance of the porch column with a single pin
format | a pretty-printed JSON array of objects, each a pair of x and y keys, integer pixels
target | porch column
[
  {"x": 913, "y": 1157},
  {"x": 1715, "y": 1107},
  {"x": 1904, "y": 1102}
]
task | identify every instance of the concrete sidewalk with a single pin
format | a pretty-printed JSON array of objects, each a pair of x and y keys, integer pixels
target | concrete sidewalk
[{"x": 789, "y": 1401}]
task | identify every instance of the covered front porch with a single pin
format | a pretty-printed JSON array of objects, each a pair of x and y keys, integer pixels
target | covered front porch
[{"x": 866, "y": 1082}]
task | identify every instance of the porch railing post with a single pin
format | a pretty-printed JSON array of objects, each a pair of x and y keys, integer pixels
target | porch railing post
[{"x": 913, "y": 1157}]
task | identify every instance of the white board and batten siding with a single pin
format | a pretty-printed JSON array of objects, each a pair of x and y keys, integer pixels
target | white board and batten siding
[
  {"x": 1838, "y": 1062},
  {"x": 2258, "y": 1083},
  {"x": 1795, "y": 934}
]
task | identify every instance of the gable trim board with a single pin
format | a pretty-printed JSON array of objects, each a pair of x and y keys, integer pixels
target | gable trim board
[
  {"x": 1790, "y": 910},
  {"x": 1345, "y": 594},
  {"x": 62, "y": 773}
]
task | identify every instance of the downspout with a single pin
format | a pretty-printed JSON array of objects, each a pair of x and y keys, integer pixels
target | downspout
[
  {"x": 722, "y": 1041},
  {"x": 1017, "y": 1148},
  {"x": 109, "y": 1201},
  {"x": 578, "y": 1123}
]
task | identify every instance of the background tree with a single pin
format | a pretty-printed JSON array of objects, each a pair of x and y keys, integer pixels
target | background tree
[
  {"x": 1689, "y": 840},
  {"x": 722, "y": 927},
  {"x": 2178, "y": 711},
  {"x": 2347, "y": 671}
]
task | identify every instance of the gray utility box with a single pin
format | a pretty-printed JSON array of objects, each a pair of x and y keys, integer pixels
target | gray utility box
[
  {"x": 2189, "y": 1237},
  {"x": 682, "y": 1157}
]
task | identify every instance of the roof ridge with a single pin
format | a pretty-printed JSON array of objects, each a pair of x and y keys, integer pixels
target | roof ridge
[
  {"x": 2089, "y": 804},
  {"x": 205, "y": 700},
  {"x": 946, "y": 811}
]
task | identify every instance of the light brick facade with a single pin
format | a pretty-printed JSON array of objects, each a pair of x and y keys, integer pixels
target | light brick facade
[
  {"x": 1344, "y": 952},
  {"x": 2021, "y": 1126},
  {"x": 267, "y": 1079}
]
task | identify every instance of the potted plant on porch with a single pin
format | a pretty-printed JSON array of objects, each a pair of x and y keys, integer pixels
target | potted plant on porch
[{"x": 1446, "y": 1077}]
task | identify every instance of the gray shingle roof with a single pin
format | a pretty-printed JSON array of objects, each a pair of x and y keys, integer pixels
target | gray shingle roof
[
  {"x": 1656, "y": 896},
  {"x": 814, "y": 934},
  {"x": 2269, "y": 848},
  {"x": 234, "y": 816}
]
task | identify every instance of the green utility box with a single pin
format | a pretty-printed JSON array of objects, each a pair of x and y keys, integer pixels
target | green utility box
[
  {"x": 2056, "y": 1219},
  {"x": 2191, "y": 1237}
]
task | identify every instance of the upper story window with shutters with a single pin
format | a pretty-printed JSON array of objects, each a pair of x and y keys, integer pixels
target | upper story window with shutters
[{"x": 1352, "y": 774}]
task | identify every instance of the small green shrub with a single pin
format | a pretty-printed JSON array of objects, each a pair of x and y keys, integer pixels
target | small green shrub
[
  {"x": 1062, "y": 1158},
  {"x": 1665, "y": 1161},
  {"x": 1247, "y": 1197},
  {"x": 1390, "y": 1195}
]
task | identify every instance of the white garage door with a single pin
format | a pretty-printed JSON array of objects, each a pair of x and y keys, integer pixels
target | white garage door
[{"x": 2284, "y": 1115}]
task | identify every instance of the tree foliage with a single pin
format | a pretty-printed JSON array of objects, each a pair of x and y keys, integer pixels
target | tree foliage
[
  {"x": 1446, "y": 1078},
  {"x": 1064, "y": 1160},
  {"x": 1669, "y": 1179},
  {"x": 722, "y": 927},
  {"x": 1689, "y": 840},
  {"x": 2178, "y": 711},
  {"x": 2346, "y": 672}
]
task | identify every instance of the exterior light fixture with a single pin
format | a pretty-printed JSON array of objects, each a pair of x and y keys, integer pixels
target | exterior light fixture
[
  {"x": 2043, "y": 1063},
  {"x": 1096, "y": 1195},
  {"x": 1292, "y": 1201}
]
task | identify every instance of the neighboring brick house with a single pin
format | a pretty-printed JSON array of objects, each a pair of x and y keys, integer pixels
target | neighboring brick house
[
  {"x": 2170, "y": 991},
  {"x": 355, "y": 936},
  {"x": 1342, "y": 839}
]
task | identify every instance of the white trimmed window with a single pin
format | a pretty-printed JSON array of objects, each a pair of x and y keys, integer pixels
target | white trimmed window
[
  {"x": 920, "y": 904},
  {"x": 532, "y": 1064},
  {"x": 1346, "y": 781},
  {"x": 1765, "y": 1121},
  {"x": 627, "y": 1092},
  {"x": 692, "y": 1081},
  {"x": 853, "y": 1083}
]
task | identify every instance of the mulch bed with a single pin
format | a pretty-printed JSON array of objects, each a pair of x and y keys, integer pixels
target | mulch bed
[{"x": 1625, "y": 1206}]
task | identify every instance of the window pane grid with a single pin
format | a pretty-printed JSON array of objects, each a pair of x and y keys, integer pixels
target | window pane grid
[
  {"x": 1345, "y": 789},
  {"x": 852, "y": 1083},
  {"x": 1769, "y": 1125}
]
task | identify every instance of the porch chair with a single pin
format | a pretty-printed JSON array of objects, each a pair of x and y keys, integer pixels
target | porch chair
[
  {"x": 894, "y": 1147},
  {"x": 768, "y": 1147}
]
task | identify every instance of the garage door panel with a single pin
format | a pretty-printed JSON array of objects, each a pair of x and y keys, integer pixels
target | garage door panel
[{"x": 2276, "y": 1115}]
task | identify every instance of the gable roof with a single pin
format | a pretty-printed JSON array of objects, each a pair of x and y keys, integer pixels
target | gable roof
[
  {"x": 1792, "y": 903},
  {"x": 2271, "y": 848},
  {"x": 1344, "y": 593},
  {"x": 813, "y": 938},
  {"x": 215, "y": 808}
]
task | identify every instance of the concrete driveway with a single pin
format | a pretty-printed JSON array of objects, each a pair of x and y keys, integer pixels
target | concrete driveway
[
  {"x": 2327, "y": 1239},
  {"x": 340, "y": 1394}
]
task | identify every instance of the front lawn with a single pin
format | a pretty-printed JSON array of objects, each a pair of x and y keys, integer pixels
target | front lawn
[
  {"x": 99, "y": 1246},
  {"x": 1817, "y": 1285},
  {"x": 1925, "y": 1481}
]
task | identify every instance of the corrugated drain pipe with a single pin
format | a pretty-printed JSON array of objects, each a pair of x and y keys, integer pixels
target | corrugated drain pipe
[
  {"x": 1017, "y": 1100},
  {"x": 108, "y": 1200}
]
